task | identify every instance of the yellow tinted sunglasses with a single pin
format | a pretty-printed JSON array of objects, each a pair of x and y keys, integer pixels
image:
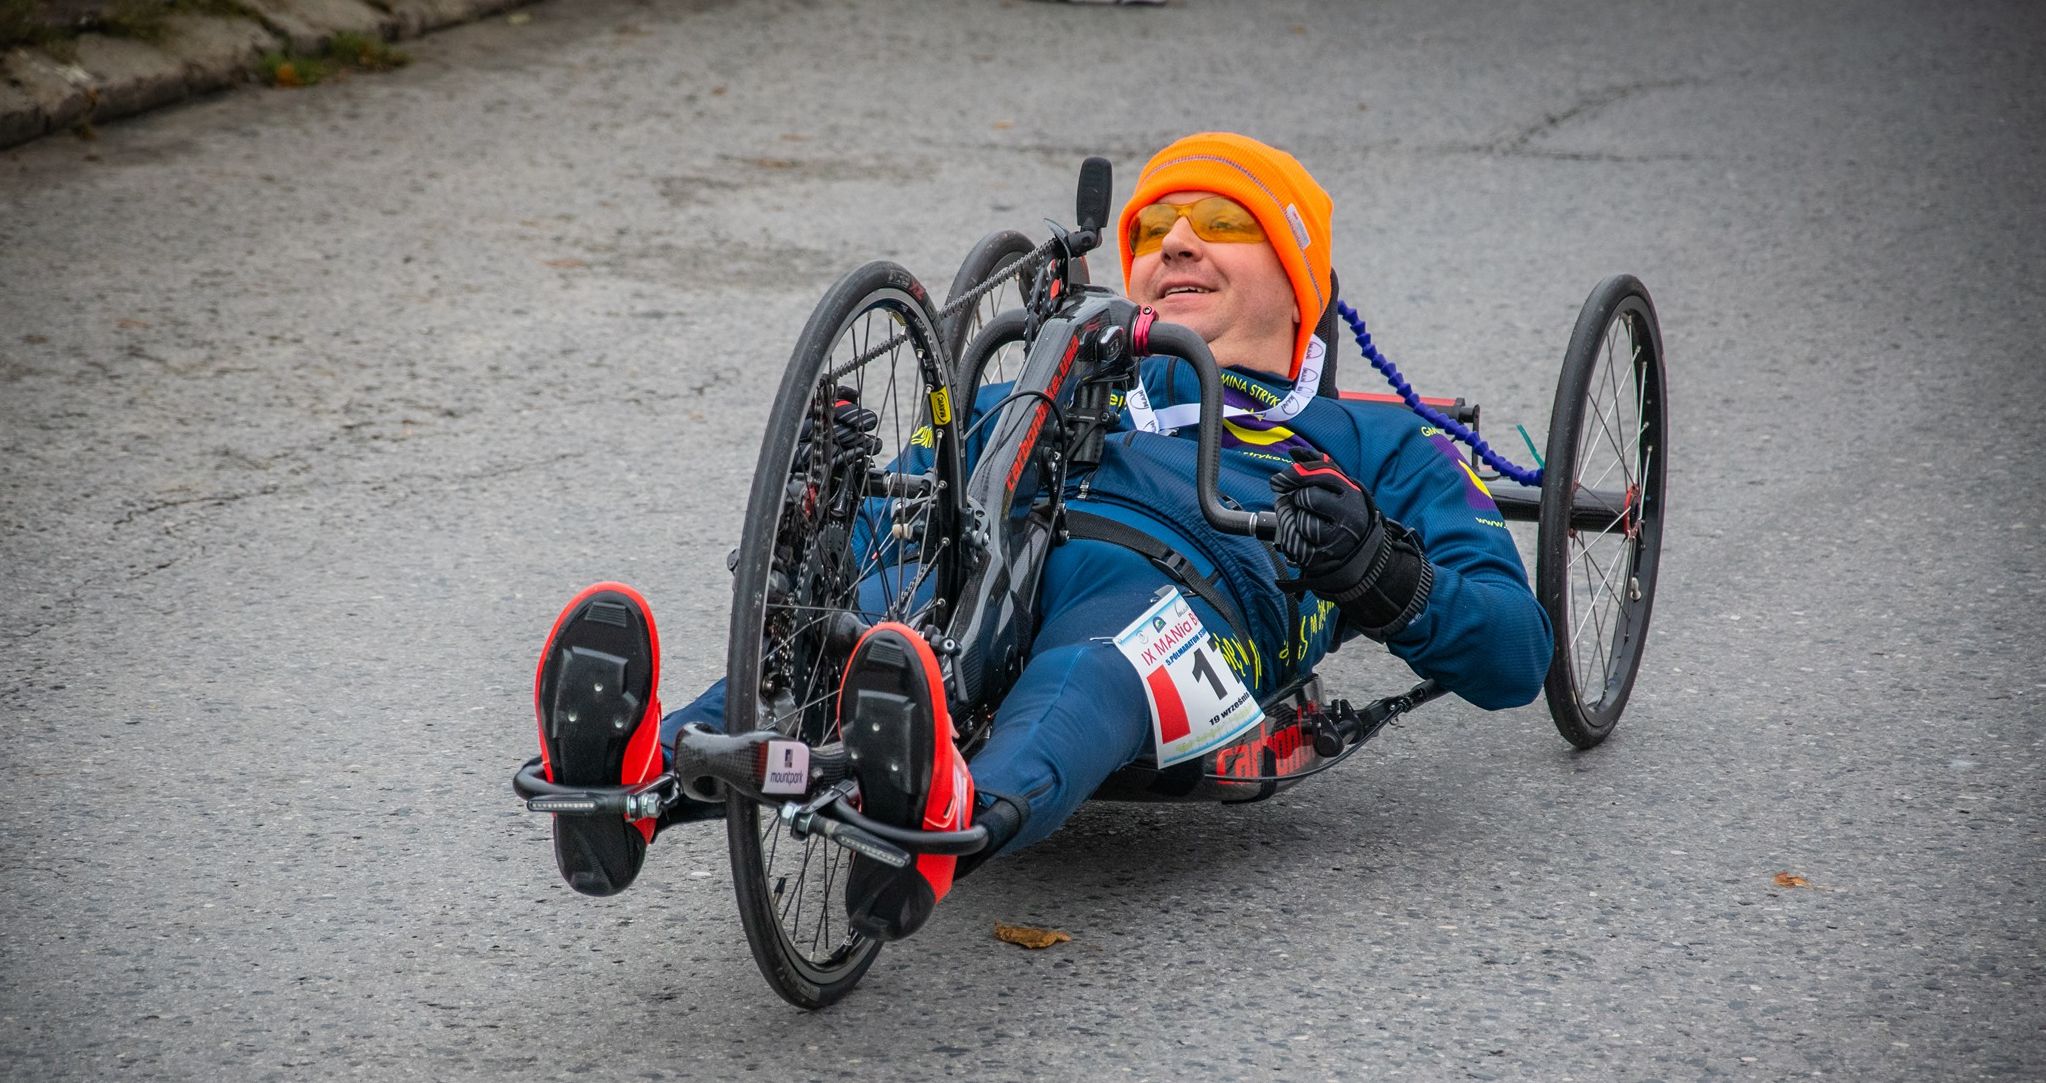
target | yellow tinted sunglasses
[{"x": 1216, "y": 219}]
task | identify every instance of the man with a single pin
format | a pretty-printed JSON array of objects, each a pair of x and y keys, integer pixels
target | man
[{"x": 1390, "y": 537}]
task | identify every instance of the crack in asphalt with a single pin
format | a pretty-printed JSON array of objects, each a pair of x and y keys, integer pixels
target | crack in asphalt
[
  {"x": 1517, "y": 145},
  {"x": 1593, "y": 102},
  {"x": 209, "y": 498}
]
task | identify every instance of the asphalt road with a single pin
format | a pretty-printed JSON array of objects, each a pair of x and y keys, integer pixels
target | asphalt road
[{"x": 314, "y": 407}]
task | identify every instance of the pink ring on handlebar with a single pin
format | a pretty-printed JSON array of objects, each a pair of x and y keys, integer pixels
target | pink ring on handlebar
[{"x": 1140, "y": 332}]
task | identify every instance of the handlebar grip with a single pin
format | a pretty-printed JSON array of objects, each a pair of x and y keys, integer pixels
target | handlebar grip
[
  {"x": 1090, "y": 202},
  {"x": 1264, "y": 525}
]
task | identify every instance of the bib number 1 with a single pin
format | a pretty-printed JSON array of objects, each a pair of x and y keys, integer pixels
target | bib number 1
[{"x": 1197, "y": 703}]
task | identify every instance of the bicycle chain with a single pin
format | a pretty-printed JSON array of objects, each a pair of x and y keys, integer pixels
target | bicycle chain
[{"x": 971, "y": 297}]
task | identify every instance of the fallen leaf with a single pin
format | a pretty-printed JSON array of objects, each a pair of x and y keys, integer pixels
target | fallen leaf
[
  {"x": 565, "y": 264},
  {"x": 132, "y": 325},
  {"x": 717, "y": 90},
  {"x": 1025, "y": 936},
  {"x": 794, "y": 137},
  {"x": 771, "y": 163},
  {"x": 1003, "y": 125},
  {"x": 518, "y": 18},
  {"x": 287, "y": 75},
  {"x": 1784, "y": 879}
]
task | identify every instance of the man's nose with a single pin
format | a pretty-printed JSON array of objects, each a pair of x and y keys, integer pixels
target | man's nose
[{"x": 1181, "y": 242}]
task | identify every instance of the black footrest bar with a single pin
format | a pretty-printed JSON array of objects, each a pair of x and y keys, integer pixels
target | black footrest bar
[
  {"x": 860, "y": 842},
  {"x": 828, "y": 815},
  {"x": 954, "y": 843},
  {"x": 645, "y": 800}
]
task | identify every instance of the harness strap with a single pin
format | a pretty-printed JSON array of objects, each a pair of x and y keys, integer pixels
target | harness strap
[{"x": 1088, "y": 527}]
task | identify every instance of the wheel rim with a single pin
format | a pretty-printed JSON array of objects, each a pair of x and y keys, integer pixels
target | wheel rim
[
  {"x": 1611, "y": 566},
  {"x": 813, "y": 577}
]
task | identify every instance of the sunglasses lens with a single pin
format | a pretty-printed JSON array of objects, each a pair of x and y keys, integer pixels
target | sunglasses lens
[
  {"x": 1152, "y": 224},
  {"x": 1225, "y": 221},
  {"x": 1216, "y": 219}
]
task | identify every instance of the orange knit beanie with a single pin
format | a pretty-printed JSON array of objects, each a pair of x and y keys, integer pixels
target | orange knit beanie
[{"x": 1293, "y": 210}]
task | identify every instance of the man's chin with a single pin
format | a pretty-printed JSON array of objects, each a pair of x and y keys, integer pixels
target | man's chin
[{"x": 1192, "y": 315}]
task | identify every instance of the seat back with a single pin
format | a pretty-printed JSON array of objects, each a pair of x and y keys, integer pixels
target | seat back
[{"x": 1325, "y": 329}]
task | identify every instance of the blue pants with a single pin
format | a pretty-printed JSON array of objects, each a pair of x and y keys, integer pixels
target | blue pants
[{"x": 1077, "y": 712}]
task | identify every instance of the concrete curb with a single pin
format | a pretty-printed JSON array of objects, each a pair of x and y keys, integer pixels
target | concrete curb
[{"x": 115, "y": 77}]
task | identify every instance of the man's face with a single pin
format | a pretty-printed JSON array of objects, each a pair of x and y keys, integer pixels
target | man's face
[{"x": 1234, "y": 295}]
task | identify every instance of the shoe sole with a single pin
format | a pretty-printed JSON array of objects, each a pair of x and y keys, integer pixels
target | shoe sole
[
  {"x": 892, "y": 682},
  {"x": 886, "y": 687},
  {"x": 593, "y": 695}
]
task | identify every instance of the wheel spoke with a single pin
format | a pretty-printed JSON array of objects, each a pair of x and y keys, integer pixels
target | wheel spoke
[
  {"x": 1607, "y": 425},
  {"x": 1597, "y": 621},
  {"x": 1606, "y": 601},
  {"x": 1590, "y": 619},
  {"x": 1615, "y": 581},
  {"x": 1611, "y": 424}
]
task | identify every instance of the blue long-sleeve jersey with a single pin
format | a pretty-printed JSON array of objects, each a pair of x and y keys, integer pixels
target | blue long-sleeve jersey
[{"x": 1481, "y": 634}]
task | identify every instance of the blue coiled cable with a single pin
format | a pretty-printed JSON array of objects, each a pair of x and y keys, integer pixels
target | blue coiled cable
[{"x": 1450, "y": 425}]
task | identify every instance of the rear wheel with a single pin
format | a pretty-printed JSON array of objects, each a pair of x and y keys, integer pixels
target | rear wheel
[
  {"x": 836, "y": 538},
  {"x": 1602, "y": 510}
]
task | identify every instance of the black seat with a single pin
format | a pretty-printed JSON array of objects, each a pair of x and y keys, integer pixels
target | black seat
[{"x": 1326, "y": 329}]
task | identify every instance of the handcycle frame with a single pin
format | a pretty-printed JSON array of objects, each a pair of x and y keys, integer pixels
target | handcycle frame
[{"x": 983, "y": 542}]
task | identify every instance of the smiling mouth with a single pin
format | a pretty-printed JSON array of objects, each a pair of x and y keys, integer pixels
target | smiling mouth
[{"x": 1181, "y": 291}]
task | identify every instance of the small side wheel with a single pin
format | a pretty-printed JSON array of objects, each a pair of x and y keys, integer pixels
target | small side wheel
[
  {"x": 1602, "y": 507},
  {"x": 837, "y": 536},
  {"x": 993, "y": 253}
]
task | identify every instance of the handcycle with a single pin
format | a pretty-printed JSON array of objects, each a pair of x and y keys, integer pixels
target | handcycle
[{"x": 839, "y": 535}]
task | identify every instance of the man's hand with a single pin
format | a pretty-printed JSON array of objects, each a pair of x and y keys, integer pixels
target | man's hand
[
  {"x": 1347, "y": 551},
  {"x": 1328, "y": 525},
  {"x": 852, "y": 428}
]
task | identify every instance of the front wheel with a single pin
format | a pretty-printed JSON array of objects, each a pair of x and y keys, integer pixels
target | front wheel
[
  {"x": 838, "y": 535},
  {"x": 1602, "y": 510},
  {"x": 994, "y": 252}
]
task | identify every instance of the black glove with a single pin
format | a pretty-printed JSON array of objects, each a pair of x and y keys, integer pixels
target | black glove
[
  {"x": 852, "y": 428},
  {"x": 1348, "y": 552}
]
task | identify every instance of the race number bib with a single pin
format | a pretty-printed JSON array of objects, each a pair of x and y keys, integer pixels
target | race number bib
[{"x": 1197, "y": 704}]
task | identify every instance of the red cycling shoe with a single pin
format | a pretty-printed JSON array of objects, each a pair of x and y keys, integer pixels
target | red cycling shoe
[
  {"x": 898, "y": 735},
  {"x": 600, "y": 726}
]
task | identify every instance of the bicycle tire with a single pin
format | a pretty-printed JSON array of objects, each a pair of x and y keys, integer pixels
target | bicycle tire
[
  {"x": 797, "y": 571},
  {"x": 1598, "y": 585},
  {"x": 989, "y": 255},
  {"x": 998, "y": 345}
]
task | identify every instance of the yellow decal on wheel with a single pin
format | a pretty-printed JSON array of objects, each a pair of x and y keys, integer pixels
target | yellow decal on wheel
[{"x": 941, "y": 407}]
